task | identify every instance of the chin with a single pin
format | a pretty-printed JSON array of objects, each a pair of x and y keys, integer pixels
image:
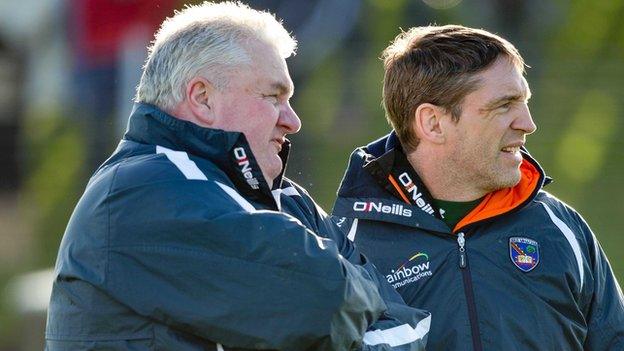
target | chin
[
  {"x": 511, "y": 180},
  {"x": 503, "y": 181},
  {"x": 274, "y": 172}
]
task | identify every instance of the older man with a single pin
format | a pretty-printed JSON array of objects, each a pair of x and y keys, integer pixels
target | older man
[
  {"x": 450, "y": 206},
  {"x": 188, "y": 237}
]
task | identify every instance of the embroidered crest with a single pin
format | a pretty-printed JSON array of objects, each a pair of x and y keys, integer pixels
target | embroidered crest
[{"x": 524, "y": 253}]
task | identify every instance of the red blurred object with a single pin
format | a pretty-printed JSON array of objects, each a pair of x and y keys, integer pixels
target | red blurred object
[{"x": 99, "y": 26}]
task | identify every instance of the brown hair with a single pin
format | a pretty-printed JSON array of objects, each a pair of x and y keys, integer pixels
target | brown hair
[{"x": 436, "y": 65}]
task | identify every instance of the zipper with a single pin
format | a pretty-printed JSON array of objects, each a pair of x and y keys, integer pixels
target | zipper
[
  {"x": 467, "y": 279},
  {"x": 461, "y": 241}
]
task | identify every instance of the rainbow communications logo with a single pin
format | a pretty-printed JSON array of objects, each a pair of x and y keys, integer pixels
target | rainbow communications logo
[{"x": 412, "y": 270}]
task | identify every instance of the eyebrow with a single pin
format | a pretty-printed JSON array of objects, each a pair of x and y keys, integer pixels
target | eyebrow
[
  {"x": 503, "y": 99},
  {"x": 507, "y": 98},
  {"x": 281, "y": 88}
]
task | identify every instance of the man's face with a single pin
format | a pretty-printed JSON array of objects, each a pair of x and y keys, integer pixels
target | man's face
[
  {"x": 484, "y": 145},
  {"x": 256, "y": 103}
]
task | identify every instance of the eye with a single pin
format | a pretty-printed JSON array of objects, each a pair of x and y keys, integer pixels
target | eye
[
  {"x": 506, "y": 106},
  {"x": 273, "y": 98}
]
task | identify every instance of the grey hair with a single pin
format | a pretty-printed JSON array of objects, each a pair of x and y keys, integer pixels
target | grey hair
[{"x": 210, "y": 39}]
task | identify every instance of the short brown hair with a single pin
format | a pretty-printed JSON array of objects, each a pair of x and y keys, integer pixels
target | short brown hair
[{"x": 437, "y": 65}]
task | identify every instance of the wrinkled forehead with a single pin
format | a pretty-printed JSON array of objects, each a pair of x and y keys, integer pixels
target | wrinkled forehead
[
  {"x": 503, "y": 76},
  {"x": 269, "y": 68}
]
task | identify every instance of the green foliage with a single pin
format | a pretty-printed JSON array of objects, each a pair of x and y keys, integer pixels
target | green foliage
[
  {"x": 7, "y": 315},
  {"x": 56, "y": 179}
]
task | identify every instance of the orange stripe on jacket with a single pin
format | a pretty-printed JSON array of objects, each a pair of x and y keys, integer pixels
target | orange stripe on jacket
[
  {"x": 504, "y": 200},
  {"x": 398, "y": 188}
]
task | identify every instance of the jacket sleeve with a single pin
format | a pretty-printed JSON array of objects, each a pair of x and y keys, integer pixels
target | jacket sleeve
[
  {"x": 193, "y": 259},
  {"x": 401, "y": 327},
  {"x": 605, "y": 320}
]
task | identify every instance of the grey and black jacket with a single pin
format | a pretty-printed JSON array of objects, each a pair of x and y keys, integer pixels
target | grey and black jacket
[
  {"x": 178, "y": 244},
  {"x": 522, "y": 271}
]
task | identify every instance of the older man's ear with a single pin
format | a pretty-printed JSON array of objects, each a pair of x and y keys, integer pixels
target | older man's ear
[{"x": 199, "y": 97}]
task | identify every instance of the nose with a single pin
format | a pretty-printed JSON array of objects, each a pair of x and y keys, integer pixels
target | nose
[
  {"x": 524, "y": 121},
  {"x": 288, "y": 119}
]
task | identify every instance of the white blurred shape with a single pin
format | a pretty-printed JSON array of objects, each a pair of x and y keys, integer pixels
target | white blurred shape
[{"x": 30, "y": 292}]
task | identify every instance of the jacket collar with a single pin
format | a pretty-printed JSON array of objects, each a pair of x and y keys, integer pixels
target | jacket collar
[
  {"x": 379, "y": 174},
  {"x": 229, "y": 151}
]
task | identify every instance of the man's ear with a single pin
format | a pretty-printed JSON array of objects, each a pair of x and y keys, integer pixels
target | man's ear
[
  {"x": 200, "y": 96},
  {"x": 427, "y": 123}
]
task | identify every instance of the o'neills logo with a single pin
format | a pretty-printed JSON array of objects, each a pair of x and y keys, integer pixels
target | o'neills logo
[
  {"x": 395, "y": 209},
  {"x": 412, "y": 270},
  {"x": 243, "y": 161},
  {"x": 411, "y": 188}
]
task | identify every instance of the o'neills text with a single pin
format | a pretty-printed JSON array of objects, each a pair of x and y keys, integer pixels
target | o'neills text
[
  {"x": 379, "y": 207},
  {"x": 411, "y": 188}
]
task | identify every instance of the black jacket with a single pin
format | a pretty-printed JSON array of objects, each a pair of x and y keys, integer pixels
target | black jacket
[
  {"x": 522, "y": 271},
  {"x": 179, "y": 244}
]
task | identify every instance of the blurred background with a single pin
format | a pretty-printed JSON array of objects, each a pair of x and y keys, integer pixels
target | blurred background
[{"x": 68, "y": 69}]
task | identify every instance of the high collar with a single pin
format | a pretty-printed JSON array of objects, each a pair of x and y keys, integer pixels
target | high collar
[
  {"x": 375, "y": 171},
  {"x": 150, "y": 125}
]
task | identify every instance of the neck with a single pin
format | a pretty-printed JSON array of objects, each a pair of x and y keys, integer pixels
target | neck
[
  {"x": 444, "y": 181},
  {"x": 183, "y": 111}
]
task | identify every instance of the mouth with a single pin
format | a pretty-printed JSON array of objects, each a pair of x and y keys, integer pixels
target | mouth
[
  {"x": 512, "y": 152},
  {"x": 511, "y": 149},
  {"x": 278, "y": 143}
]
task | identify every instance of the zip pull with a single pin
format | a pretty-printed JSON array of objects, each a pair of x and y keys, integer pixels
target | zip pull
[{"x": 461, "y": 241}]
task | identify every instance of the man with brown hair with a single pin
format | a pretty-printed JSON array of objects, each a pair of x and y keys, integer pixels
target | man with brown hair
[{"x": 450, "y": 205}]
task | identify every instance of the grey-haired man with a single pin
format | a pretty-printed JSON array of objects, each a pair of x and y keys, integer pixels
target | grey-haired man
[{"x": 189, "y": 237}]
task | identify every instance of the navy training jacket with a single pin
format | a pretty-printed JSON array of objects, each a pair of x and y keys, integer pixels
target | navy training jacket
[
  {"x": 522, "y": 271},
  {"x": 178, "y": 244}
]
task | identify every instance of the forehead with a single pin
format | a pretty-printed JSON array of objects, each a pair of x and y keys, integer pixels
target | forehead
[
  {"x": 268, "y": 70},
  {"x": 502, "y": 78}
]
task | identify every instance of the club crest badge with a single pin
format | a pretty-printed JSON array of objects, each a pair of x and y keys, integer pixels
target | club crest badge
[{"x": 524, "y": 253}]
